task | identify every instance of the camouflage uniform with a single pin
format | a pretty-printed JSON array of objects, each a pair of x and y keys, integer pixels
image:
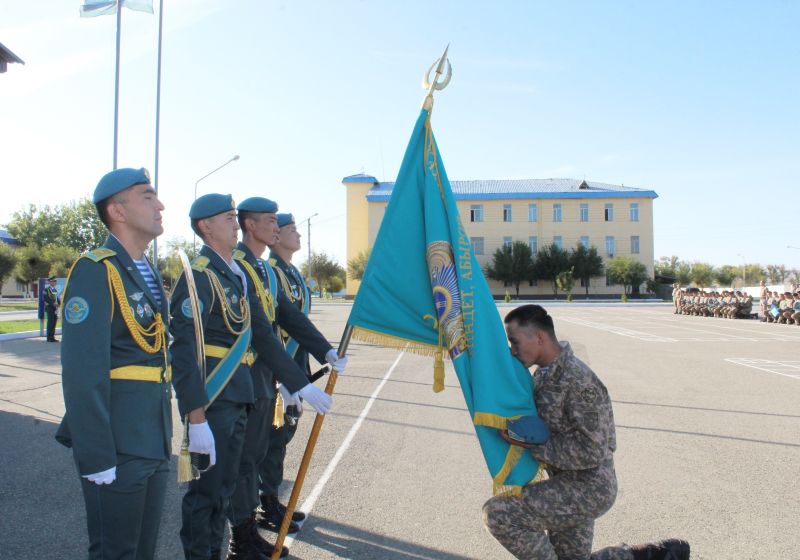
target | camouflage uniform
[{"x": 554, "y": 519}]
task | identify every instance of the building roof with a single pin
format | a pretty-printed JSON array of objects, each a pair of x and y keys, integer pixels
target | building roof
[
  {"x": 5, "y": 237},
  {"x": 7, "y": 57},
  {"x": 493, "y": 189}
]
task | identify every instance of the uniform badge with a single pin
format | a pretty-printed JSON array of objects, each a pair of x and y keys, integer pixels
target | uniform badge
[
  {"x": 234, "y": 299},
  {"x": 148, "y": 310},
  {"x": 76, "y": 310},
  {"x": 140, "y": 311},
  {"x": 589, "y": 394},
  {"x": 186, "y": 307},
  {"x": 137, "y": 296}
]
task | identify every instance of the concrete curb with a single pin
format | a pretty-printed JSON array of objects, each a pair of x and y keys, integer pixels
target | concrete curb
[{"x": 21, "y": 335}]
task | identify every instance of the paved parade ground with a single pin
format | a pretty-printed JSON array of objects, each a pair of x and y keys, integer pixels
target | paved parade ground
[{"x": 708, "y": 429}]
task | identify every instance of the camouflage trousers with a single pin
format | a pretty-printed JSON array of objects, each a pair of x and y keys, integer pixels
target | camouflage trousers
[{"x": 554, "y": 519}]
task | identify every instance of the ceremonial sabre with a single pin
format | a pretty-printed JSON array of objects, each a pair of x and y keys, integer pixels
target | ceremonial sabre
[
  {"x": 186, "y": 470},
  {"x": 312, "y": 442}
]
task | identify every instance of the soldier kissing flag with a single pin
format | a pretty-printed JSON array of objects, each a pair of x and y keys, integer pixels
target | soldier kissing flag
[{"x": 424, "y": 290}]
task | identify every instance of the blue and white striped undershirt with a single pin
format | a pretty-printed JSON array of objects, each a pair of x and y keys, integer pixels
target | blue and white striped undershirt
[{"x": 149, "y": 277}]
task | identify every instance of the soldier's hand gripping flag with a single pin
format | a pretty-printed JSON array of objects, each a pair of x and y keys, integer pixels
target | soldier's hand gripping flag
[{"x": 423, "y": 288}]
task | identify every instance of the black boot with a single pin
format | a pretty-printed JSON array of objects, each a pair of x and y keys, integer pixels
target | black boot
[
  {"x": 263, "y": 545},
  {"x": 242, "y": 546},
  {"x": 670, "y": 549},
  {"x": 271, "y": 512}
]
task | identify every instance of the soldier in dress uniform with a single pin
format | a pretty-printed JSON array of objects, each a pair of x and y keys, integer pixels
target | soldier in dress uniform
[
  {"x": 116, "y": 374},
  {"x": 216, "y": 408},
  {"x": 258, "y": 222},
  {"x": 554, "y": 519},
  {"x": 52, "y": 301},
  {"x": 294, "y": 292}
]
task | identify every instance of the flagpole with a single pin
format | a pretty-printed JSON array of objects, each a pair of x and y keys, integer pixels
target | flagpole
[
  {"x": 312, "y": 442},
  {"x": 116, "y": 83},
  {"x": 158, "y": 114}
]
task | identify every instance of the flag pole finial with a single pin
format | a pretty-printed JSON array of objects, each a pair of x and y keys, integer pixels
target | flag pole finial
[{"x": 437, "y": 83}]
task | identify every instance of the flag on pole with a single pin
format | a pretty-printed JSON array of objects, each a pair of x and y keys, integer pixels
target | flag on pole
[
  {"x": 423, "y": 290},
  {"x": 93, "y": 8}
]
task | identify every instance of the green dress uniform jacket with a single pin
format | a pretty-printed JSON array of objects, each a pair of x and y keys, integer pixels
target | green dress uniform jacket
[
  {"x": 108, "y": 416},
  {"x": 296, "y": 295}
]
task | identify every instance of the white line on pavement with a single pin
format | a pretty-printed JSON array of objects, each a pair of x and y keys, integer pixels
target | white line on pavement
[
  {"x": 308, "y": 505},
  {"x": 774, "y": 366}
]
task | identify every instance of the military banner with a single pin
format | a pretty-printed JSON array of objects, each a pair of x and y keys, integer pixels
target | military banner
[{"x": 424, "y": 291}]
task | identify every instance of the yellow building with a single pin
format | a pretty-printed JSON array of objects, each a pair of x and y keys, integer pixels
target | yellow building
[{"x": 618, "y": 220}]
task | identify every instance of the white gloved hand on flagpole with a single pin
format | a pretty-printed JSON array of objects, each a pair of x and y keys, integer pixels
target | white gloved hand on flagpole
[{"x": 339, "y": 364}]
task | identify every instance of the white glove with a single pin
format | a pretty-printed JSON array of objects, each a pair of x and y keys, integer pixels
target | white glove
[
  {"x": 316, "y": 397},
  {"x": 290, "y": 399},
  {"x": 104, "y": 477},
  {"x": 339, "y": 364},
  {"x": 201, "y": 440}
]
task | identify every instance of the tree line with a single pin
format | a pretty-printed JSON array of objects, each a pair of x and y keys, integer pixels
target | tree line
[{"x": 704, "y": 275}]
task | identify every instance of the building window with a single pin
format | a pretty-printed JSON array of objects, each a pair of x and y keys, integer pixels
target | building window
[
  {"x": 533, "y": 213},
  {"x": 610, "y": 246},
  {"x": 585, "y": 241},
  {"x": 556, "y": 212},
  {"x": 506, "y": 212},
  {"x": 477, "y": 245},
  {"x": 584, "y": 212},
  {"x": 476, "y": 213},
  {"x": 533, "y": 243},
  {"x": 507, "y": 242},
  {"x": 558, "y": 242},
  {"x": 609, "y": 212},
  {"x": 634, "y": 211},
  {"x": 634, "y": 244}
]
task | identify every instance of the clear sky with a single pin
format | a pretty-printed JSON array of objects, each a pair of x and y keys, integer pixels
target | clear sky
[{"x": 695, "y": 100}]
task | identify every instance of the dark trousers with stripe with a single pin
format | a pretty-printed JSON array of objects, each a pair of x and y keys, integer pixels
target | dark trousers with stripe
[
  {"x": 206, "y": 501},
  {"x": 123, "y": 517},
  {"x": 256, "y": 443}
]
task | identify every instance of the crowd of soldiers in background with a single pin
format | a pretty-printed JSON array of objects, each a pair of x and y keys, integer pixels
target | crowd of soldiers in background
[{"x": 775, "y": 307}]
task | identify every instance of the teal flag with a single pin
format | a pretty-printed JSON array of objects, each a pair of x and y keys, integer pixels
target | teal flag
[{"x": 424, "y": 291}]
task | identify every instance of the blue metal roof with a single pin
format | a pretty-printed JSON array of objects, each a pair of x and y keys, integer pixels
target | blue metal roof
[
  {"x": 518, "y": 189},
  {"x": 360, "y": 178},
  {"x": 6, "y": 237}
]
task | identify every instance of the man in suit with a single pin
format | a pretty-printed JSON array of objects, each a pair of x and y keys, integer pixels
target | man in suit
[
  {"x": 116, "y": 373},
  {"x": 52, "y": 301}
]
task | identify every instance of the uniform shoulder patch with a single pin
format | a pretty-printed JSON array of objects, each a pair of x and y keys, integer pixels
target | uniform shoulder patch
[
  {"x": 200, "y": 263},
  {"x": 100, "y": 253},
  {"x": 273, "y": 261},
  {"x": 238, "y": 255}
]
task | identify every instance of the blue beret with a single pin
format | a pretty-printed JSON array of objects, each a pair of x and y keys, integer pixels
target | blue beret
[
  {"x": 285, "y": 219},
  {"x": 258, "y": 204},
  {"x": 119, "y": 180},
  {"x": 210, "y": 205},
  {"x": 528, "y": 429}
]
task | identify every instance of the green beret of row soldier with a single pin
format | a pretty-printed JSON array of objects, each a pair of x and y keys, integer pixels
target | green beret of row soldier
[
  {"x": 119, "y": 180},
  {"x": 285, "y": 220},
  {"x": 258, "y": 204}
]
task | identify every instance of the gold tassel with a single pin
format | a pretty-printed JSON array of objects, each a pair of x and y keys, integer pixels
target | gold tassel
[
  {"x": 438, "y": 371},
  {"x": 277, "y": 418},
  {"x": 184, "y": 460}
]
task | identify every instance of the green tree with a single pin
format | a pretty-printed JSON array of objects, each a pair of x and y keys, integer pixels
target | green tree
[
  {"x": 7, "y": 264},
  {"x": 725, "y": 274},
  {"x": 357, "y": 265},
  {"x": 30, "y": 264},
  {"x": 586, "y": 264},
  {"x": 550, "y": 262},
  {"x": 35, "y": 227},
  {"x": 626, "y": 271},
  {"x": 59, "y": 259},
  {"x": 169, "y": 263},
  {"x": 79, "y": 226},
  {"x": 753, "y": 274},
  {"x": 324, "y": 270},
  {"x": 667, "y": 266},
  {"x": 512, "y": 264},
  {"x": 683, "y": 273},
  {"x": 702, "y": 274}
]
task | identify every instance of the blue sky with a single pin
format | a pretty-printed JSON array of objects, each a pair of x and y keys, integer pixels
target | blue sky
[{"x": 697, "y": 101}]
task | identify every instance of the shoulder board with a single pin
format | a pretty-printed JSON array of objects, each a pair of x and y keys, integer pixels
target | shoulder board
[
  {"x": 238, "y": 255},
  {"x": 200, "y": 263},
  {"x": 273, "y": 261},
  {"x": 99, "y": 254}
]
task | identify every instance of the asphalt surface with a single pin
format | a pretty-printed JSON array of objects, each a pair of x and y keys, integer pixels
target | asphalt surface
[{"x": 708, "y": 428}]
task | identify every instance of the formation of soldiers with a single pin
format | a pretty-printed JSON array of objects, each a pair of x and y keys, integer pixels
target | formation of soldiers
[
  {"x": 783, "y": 309},
  {"x": 238, "y": 363},
  {"x": 727, "y": 304}
]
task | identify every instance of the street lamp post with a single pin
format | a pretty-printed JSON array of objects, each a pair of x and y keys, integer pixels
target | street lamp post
[
  {"x": 744, "y": 271},
  {"x": 308, "y": 241},
  {"x": 234, "y": 158}
]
